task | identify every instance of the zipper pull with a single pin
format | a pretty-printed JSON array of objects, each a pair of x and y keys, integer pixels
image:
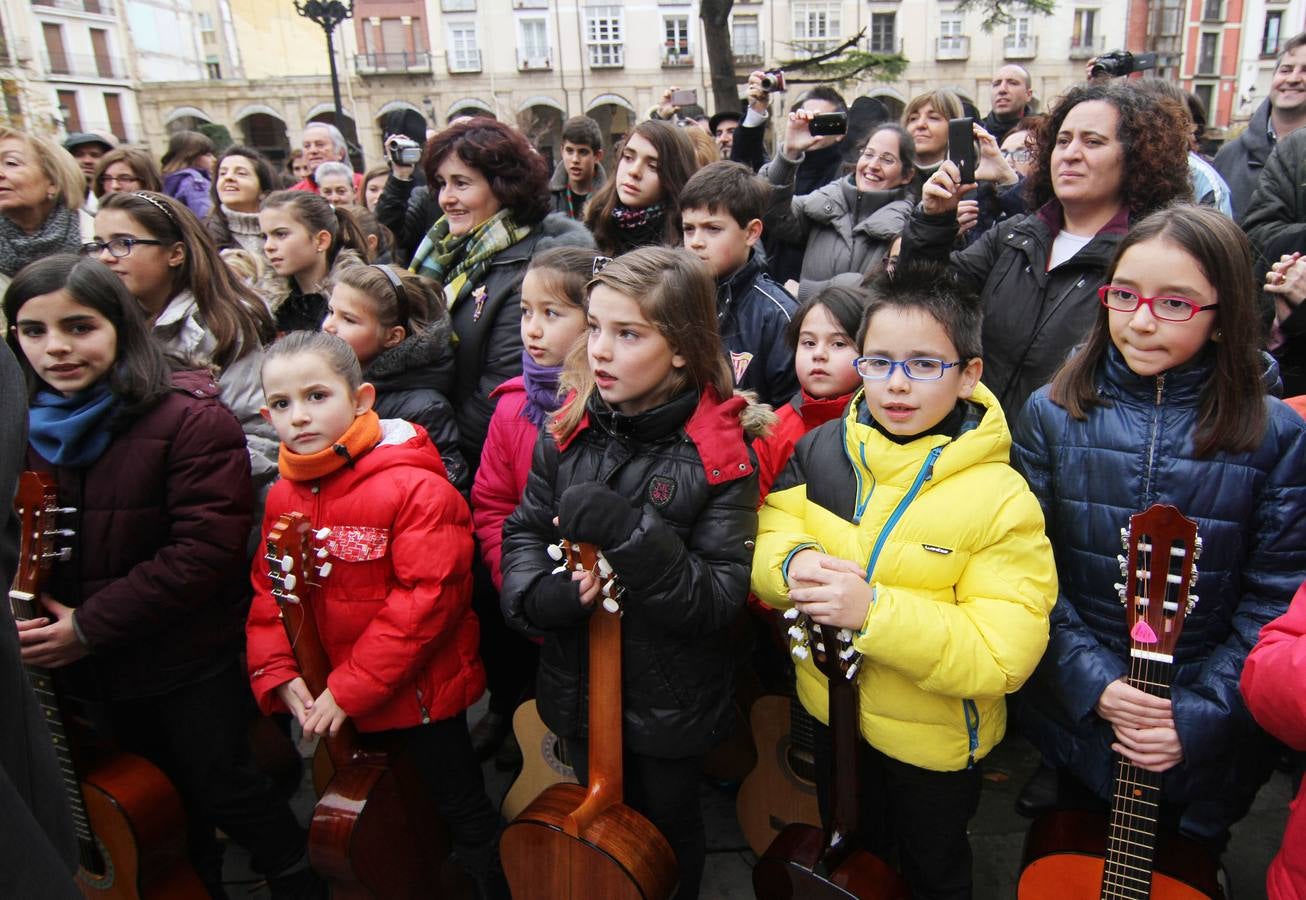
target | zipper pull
[{"x": 1160, "y": 386}]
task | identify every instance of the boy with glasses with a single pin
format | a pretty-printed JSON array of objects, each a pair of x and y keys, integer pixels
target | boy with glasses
[{"x": 903, "y": 523}]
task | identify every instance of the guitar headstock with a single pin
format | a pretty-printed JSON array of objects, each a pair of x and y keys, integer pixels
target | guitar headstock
[
  {"x": 574, "y": 556},
  {"x": 830, "y": 648},
  {"x": 1161, "y": 549},
  {"x": 293, "y": 558},
  {"x": 37, "y": 504}
]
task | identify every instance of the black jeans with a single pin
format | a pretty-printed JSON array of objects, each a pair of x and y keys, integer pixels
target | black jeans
[
  {"x": 915, "y": 816},
  {"x": 664, "y": 791},
  {"x": 509, "y": 657},
  {"x": 197, "y": 734}
]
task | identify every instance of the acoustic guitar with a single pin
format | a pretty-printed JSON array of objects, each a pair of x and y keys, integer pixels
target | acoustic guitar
[
  {"x": 583, "y": 842},
  {"x": 781, "y": 789},
  {"x": 1083, "y": 855},
  {"x": 813, "y": 863},
  {"x": 130, "y": 826},
  {"x": 543, "y": 761},
  {"x": 374, "y": 833}
]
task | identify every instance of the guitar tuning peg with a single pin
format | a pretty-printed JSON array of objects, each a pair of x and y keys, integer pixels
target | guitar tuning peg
[
  {"x": 322, "y": 534},
  {"x": 796, "y": 633},
  {"x": 1192, "y": 601},
  {"x": 1124, "y": 538},
  {"x": 289, "y": 581},
  {"x": 611, "y": 605},
  {"x": 64, "y": 510},
  {"x": 559, "y": 570},
  {"x": 790, "y": 614},
  {"x": 554, "y": 551},
  {"x": 286, "y": 563},
  {"x": 605, "y": 567},
  {"x": 1124, "y": 565},
  {"x": 323, "y": 553},
  {"x": 59, "y": 532},
  {"x": 609, "y": 587},
  {"x": 1197, "y": 548},
  {"x": 845, "y": 635},
  {"x": 324, "y": 570},
  {"x": 1120, "y": 591},
  {"x": 852, "y": 670},
  {"x": 820, "y": 646},
  {"x": 847, "y": 653},
  {"x": 64, "y": 554},
  {"x": 800, "y": 652}
]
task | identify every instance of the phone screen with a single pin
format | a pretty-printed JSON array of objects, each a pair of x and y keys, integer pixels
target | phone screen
[{"x": 961, "y": 147}]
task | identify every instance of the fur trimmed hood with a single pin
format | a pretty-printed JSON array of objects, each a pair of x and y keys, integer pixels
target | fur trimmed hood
[{"x": 423, "y": 360}]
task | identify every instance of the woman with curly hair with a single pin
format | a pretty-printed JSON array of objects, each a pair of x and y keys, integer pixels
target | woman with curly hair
[{"x": 1107, "y": 155}]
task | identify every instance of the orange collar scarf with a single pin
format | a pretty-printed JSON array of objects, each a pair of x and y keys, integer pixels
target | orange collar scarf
[{"x": 360, "y": 437}]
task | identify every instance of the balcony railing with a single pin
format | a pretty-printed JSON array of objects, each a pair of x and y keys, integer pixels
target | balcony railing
[
  {"x": 1087, "y": 48},
  {"x": 83, "y": 65},
  {"x": 673, "y": 59},
  {"x": 463, "y": 61},
  {"x": 391, "y": 63},
  {"x": 99, "y": 7},
  {"x": 538, "y": 62},
  {"x": 889, "y": 45},
  {"x": 953, "y": 46},
  {"x": 743, "y": 60},
  {"x": 1020, "y": 46}
]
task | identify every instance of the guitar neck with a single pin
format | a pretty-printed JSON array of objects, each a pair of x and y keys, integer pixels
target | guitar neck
[
  {"x": 1135, "y": 807},
  {"x": 845, "y": 788},
  {"x": 605, "y": 744}
]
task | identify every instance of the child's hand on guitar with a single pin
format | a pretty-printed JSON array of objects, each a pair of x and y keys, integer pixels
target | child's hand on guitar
[
  {"x": 1154, "y": 749},
  {"x": 589, "y": 586},
  {"x": 830, "y": 590},
  {"x": 324, "y": 716},
  {"x": 1126, "y": 706},
  {"x": 47, "y": 643},
  {"x": 295, "y": 694}
]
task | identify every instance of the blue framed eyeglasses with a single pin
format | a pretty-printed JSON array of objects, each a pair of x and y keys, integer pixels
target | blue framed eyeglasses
[{"x": 918, "y": 368}]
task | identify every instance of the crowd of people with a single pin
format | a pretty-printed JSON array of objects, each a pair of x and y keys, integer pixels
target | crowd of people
[{"x": 830, "y": 374}]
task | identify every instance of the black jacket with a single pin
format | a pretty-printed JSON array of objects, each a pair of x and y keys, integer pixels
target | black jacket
[
  {"x": 753, "y": 313},
  {"x": 558, "y": 189},
  {"x": 1032, "y": 317},
  {"x": 408, "y": 209},
  {"x": 413, "y": 381},
  {"x": 685, "y": 568},
  {"x": 1000, "y": 128}
]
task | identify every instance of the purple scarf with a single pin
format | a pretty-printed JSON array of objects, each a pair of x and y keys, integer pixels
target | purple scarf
[{"x": 541, "y": 384}]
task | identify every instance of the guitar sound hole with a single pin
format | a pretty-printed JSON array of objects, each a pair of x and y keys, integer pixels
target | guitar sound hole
[
  {"x": 96, "y": 866},
  {"x": 801, "y": 763}
]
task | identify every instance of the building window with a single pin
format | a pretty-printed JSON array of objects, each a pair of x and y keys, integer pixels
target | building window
[
  {"x": 675, "y": 32},
  {"x": 816, "y": 25},
  {"x": 68, "y": 108},
  {"x": 56, "y": 56},
  {"x": 458, "y": 5},
  {"x": 950, "y": 33},
  {"x": 113, "y": 107},
  {"x": 1208, "y": 53},
  {"x": 213, "y": 68},
  {"x": 1206, "y": 94},
  {"x": 533, "y": 43},
  {"x": 1018, "y": 32},
  {"x": 603, "y": 35},
  {"x": 1085, "y": 28},
  {"x": 1270, "y": 37},
  {"x": 1213, "y": 11},
  {"x": 746, "y": 36},
  {"x": 884, "y": 33},
  {"x": 464, "y": 54},
  {"x": 205, "y": 21}
]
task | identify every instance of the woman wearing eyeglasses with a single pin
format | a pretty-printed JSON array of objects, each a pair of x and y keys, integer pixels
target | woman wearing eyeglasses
[
  {"x": 196, "y": 307},
  {"x": 1105, "y": 157},
  {"x": 846, "y": 227},
  {"x": 41, "y": 194},
  {"x": 126, "y": 169},
  {"x": 1167, "y": 403}
]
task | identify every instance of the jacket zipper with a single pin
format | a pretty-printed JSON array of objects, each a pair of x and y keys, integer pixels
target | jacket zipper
[
  {"x": 421, "y": 705},
  {"x": 1156, "y": 433},
  {"x": 971, "y": 711},
  {"x": 924, "y": 475}
]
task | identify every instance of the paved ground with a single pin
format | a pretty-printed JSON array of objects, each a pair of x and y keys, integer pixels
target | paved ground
[{"x": 997, "y": 835}]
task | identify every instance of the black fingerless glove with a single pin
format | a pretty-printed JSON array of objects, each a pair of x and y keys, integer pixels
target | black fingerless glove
[
  {"x": 594, "y": 513},
  {"x": 554, "y": 602}
]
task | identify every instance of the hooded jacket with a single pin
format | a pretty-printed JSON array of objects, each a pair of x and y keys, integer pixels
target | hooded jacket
[
  {"x": 685, "y": 567},
  {"x": 1277, "y": 208},
  {"x": 842, "y": 230},
  {"x": 1032, "y": 317},
  {"x": 953, "y": 543},
  {"x": 793, "y": 420},
  {"x": 192, "y": 187},
  {"x": 413, "y": 380},
  {"x": 505, "y": 466},
  {"x": 753, "y": 313},
  {"x": 1240, "y": 161},
  {"x": 395, "y": 612},
  {"x": 1090, "y": 476},
  {"x": 558, "y": 188},
  {"x": 1272, "y": 682}
]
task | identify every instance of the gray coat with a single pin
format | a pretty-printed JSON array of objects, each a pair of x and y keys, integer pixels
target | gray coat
[
  {"x": 842, "y": 230},
  {"x": 1239, "y": 162},
  {"x": 558, "y": 186}
]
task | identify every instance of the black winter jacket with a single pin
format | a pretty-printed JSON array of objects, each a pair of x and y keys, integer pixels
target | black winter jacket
[
  {"x": 413, "y": 381},
  {"x": 753, "y": 313},
  {"x": 558, "y": 189},
  {"x": 408, "y": 209},
  {"x": 685, "y": 568},
  {"x": 1090, "y": 476},
  {"x": 1032, "y": 317},
  {"x": 1240, "y": 161}
]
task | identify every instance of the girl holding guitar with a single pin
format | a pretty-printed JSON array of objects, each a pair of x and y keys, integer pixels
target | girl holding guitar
[
  {"x": 649, "y": 460},
  {"x": 144, "y": 616},
  {"x": 394, "y": 615},
  {"x": 1166, "y": 403}
]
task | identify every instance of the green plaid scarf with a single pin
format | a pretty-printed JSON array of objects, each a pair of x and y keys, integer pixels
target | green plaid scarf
[{"x": 445, "y": 257}]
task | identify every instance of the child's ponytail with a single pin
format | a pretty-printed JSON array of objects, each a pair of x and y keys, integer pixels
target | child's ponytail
[
  {"x": 315, "y": 214},
  {"x": 347, "y": 235},
  {"x": 399, "y": 297}
]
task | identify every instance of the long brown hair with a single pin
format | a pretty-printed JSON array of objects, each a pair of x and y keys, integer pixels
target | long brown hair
[
  {"x": 422, "y": 300},
  {"x": 315, "y": 214},
  {"x": 184, "y": 147},
  {"x": 676, "y": 163},
  {"x": 677, "y": 294},
  {"x": 1232, "y": 408},
  {"x": 237, "y": 317},
  {"x": 139, "y": 161}
]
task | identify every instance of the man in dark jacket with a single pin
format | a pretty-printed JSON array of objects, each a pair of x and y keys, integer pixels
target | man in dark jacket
[
  {"x": 1240, "y": 161},
  {"x": 1012, "y": 91},
  {"x": 579, "y": 174}
]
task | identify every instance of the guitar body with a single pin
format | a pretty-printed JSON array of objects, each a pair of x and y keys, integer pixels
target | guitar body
[
  {"x": 788, "y": 871},
  {"x": 1065, "y": 853},
  {"x": 541, "y": 765},
  {"x": 140, "y": 832},
  {"x": 621, "y": 856},
  {"x": 780, "y": 790}
]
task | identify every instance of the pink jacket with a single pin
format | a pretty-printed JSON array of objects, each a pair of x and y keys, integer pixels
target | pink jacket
[
  {"x": 501, "y": 478},
  {"x": 1274, "y": 686}
]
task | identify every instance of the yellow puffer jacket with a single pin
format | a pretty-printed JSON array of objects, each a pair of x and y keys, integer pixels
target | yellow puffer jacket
[{"x": 953, "y": 541}]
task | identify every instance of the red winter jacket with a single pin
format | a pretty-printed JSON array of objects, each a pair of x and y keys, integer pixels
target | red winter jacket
[
  {"x": 501, "y": 478},
  {"x": 1274, "y": 686},
  {"x": 395, "y": 612},
  {"x": 797, "y": 417}
]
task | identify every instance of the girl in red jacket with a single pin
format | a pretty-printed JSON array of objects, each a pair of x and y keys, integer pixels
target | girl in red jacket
[{"x": 394, "y": 613}]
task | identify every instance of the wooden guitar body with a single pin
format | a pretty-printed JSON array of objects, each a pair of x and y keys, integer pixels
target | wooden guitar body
[
  {"x": 790, "y": 869},
  {"x": 612, "y": 860},
  {"x": 781, "y": 789},
  {"x": 542, "y": 765},
  {"x": 1065, "y": 855}
]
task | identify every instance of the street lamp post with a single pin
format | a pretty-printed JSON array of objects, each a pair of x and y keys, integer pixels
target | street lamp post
[{"x": 329, "y": 14}]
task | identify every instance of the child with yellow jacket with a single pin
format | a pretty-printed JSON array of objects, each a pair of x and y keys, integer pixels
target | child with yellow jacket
[{"x": 903, "y": 522}]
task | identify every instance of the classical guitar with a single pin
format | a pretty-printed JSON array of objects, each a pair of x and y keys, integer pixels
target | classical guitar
[
  {"x": 131, "y": 830},
  {"x": 583, "y": 842},
  {"x": 781, "y": 789},
  {"x": 1085, "y": 856},
  {"x": 374, "y": 833},
  {"x": 543, "y": 761},
  {"x": 807, "y": 861}
]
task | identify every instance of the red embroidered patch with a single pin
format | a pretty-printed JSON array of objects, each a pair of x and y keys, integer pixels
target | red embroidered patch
[
  {"x": 357, "y": 543},
  {"x": 660, "y": 490}
]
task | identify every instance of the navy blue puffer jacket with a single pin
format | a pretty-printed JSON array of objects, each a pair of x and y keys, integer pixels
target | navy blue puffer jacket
[{"x": 1250, "y": 508}]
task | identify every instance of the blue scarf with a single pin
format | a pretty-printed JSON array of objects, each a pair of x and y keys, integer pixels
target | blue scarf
[
  {"x": 72, "y": 431},
  {"x": 541, "y": 384}
]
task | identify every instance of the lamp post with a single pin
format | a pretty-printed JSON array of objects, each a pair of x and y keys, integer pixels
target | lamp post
[{"x": 329, "y": 14}]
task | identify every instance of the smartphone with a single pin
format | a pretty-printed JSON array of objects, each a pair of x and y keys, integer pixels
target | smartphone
[
  {"x": 961, "y": 147},
  {"x": 828, "y": 123},
  {"x": 684, "y": 98}
]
